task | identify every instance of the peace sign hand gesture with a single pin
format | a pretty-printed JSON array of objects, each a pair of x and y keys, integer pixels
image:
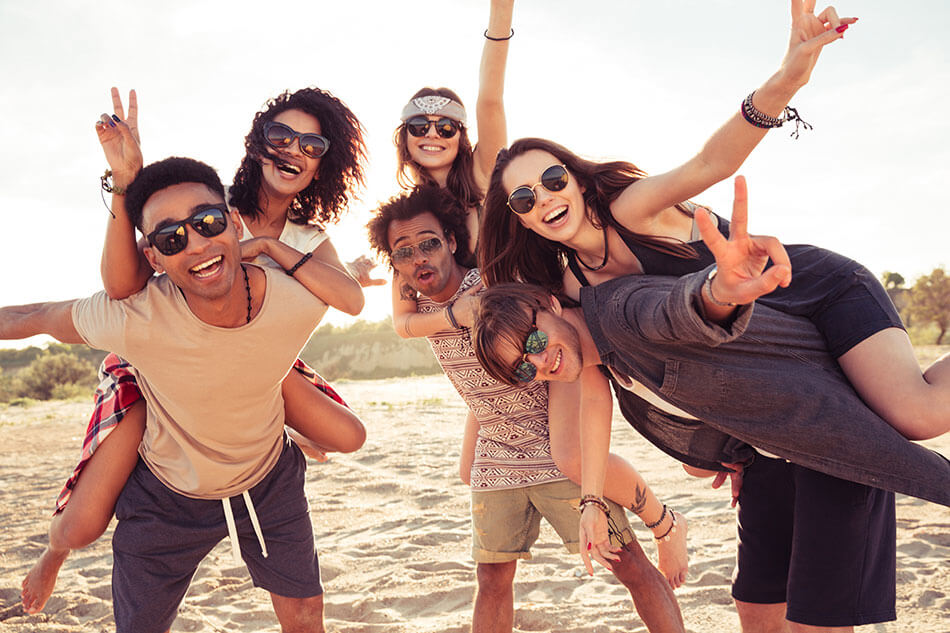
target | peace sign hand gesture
[
  {"x": 810, "y": 34},
  {"x": 119, "y": 138},
  {"x": 741, "y": 260}
]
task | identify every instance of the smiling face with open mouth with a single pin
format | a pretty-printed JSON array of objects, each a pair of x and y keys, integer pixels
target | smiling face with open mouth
[
  {"x": 207, "y": 268},
  {"x": 556, "y": 215},
  {"x": 289, "y": 171},
  {"x": 432, "y": 151}
]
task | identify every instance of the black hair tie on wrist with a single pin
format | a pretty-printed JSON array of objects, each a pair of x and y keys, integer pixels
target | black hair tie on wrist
[{"x": 499, "y": 39}]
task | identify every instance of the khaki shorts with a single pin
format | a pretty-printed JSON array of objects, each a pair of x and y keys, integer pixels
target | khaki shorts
[{"x": 506, "y": 523}]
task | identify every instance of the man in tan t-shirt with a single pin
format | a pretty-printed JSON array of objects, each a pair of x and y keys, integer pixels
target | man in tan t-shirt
[{"x": 211, "y": 340}]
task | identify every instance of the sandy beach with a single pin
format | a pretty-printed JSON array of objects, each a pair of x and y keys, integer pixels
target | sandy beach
[{"x": 393, "y": 532}]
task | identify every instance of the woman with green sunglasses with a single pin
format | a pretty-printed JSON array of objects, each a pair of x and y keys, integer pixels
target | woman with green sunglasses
[{"x": 304, "y": 159}]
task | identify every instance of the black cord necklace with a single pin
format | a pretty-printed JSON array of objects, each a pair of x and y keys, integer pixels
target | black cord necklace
[
  {"x": 247, "y": 287},
  {"x": 606, "y": 256}
]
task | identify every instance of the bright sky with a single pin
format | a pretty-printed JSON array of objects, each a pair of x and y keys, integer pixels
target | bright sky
[{"x": 615, "y": 79}]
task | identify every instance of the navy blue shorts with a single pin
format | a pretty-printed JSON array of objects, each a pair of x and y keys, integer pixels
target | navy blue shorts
[
  {"x": 825, "y": 546},
  {"x": 841, "y": 297},
  {"x": 162, "y": 536}
]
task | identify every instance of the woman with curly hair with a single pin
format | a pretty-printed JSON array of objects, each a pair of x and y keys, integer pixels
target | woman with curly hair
[{"x": 304, "y": 159}]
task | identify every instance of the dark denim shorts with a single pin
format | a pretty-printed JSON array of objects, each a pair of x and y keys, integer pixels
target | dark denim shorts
[
  {"x": 162, "y": 536},
  {"x": 825, "y": 546}
]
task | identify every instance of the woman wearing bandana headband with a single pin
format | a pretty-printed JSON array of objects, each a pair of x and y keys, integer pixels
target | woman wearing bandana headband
[{"x": 451, "y": 162}]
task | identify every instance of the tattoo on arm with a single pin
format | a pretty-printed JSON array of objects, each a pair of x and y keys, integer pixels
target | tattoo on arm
[
  {"x": 406, "y": 292},
  {"x": 639, "y": 500}
]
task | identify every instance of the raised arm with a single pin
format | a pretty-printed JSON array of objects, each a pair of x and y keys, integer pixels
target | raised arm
[
  {"x": 729, "y": 146},
  {"x": 490, "y": 107},
  {"x": 322, "y": 273},
  {"x": 123, "y": 266},
  {"x": 52, "y": 318}
]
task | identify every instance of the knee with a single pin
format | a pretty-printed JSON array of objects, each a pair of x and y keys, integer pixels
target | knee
[
  {"x": 496, "y": 579},
  {"x": 76, "y": 534},
  {"x": 304, "y": 616},
  {"x": 634, "y": 569}
]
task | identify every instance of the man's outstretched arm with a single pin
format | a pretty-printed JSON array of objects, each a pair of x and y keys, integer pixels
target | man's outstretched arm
[{"x": 54, "y": 318}]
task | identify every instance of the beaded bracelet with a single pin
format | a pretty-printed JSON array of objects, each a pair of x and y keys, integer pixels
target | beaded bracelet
[
  {"x": 105, "y": 183},
  {"x": 587, "y": 500},
  {"x": 762, "y": 120},
  {"x": 650, "y": 526},
  {"x": 666, "y": 535},
  {"x": 499, "y": 39},
  {"x": 303, "y": 260}
]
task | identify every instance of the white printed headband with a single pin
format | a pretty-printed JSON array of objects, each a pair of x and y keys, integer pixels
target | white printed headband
[{"x": 434, "y": 104}]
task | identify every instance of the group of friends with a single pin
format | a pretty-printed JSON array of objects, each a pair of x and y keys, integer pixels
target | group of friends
[{"x": 542, "y": 281}]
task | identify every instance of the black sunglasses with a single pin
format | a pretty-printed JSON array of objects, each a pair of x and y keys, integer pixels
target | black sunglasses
[
  {"x": 426, "y": 247},
  {"x": 535, "y": 343},
  {"x": 173, "y": 238},
  {"x": 418, "y": 126},
  {"x": 522, "y": 199},
  {"x": 280, "y": 136}
]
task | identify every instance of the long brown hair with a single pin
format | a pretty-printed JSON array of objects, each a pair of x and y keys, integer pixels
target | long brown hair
[
  {"x": 461, "y": 180},
  {"x": 507, "y": 251}
]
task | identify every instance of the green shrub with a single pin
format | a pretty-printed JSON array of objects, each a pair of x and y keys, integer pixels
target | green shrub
[
  {"x": 71, "y": 390},
  {"x": 50, "y": 371}
]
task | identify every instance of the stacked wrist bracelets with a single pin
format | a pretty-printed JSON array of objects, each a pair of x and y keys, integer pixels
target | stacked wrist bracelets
[
  {"x": 594, "y": 500},
  {"x": 762, "y": 120}
]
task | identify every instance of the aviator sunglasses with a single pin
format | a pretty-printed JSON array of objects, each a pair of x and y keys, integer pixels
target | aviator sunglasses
[
  {"x": 173, "y": 238},
  {"x": 418, "y": 126},
  {"x": 535, "y": 343},
  {"x": 522, "y": 199},
  {"x": 426, "y": 247},
  {"x": 280, "y": 136}
]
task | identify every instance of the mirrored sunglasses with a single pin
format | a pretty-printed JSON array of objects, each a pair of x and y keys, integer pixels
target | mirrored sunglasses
[
  {"x": 405, "y": 253},
  {"x": 445, "y": 127},
  {"x": 173, "y": 238},
  {"x": 535, "y": 343},
  {"x": 280, "y": 136}
]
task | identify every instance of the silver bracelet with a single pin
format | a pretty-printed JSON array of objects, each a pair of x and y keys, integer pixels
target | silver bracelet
[{"x": 707, "y": 286}]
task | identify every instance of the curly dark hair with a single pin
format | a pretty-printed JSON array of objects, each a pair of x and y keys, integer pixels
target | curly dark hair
[
  {"x": 461, "y": 181},
  {"x": 424, "y": 198},
  {"x": 340, "y": 172},
  {"x": 171, "y": 171},
  {"x": 507, "y": 251}
]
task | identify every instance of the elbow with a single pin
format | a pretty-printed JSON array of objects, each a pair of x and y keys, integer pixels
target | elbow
[
  {"x": 568, "y": 461},
  {"x": 355, "y": 305},
  {"x": 116, "y": 291},
  {"x": 354, "y": 438},
  {"x": 400, "y": 327}
]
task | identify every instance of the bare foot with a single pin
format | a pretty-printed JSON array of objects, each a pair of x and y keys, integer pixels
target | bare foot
[
  {"x": 674, "y": 559},
  {"x": 40, "y": 580}
]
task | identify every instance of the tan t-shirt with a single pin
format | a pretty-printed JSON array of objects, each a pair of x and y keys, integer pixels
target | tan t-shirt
[{"x": 213, "y": 395}]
